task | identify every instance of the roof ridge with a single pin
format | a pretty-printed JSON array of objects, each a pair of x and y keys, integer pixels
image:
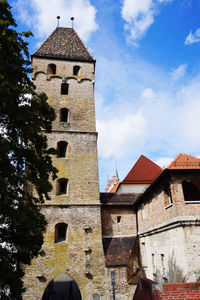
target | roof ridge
[
  {"x": 64, "y": 43},
  {"x": 174, "y": 160},
  {"x": 84, "y": 45},
  {"x": 183, "y": 160},
  {"x": 143, "y": 171}
]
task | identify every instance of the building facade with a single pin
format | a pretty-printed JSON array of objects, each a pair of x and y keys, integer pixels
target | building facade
[
  {"x": 148, "y": 225},
  {"x": 64, "y": 70},
  {"x": 168, "y": 215}
]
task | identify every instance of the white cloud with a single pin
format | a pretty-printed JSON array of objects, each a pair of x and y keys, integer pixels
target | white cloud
[
  {"x": 118, "y": 136},
  {"x": 165, "y": 125},
  {"x": 164, "y": 162},
  {"x": 139, "y": 16},
  {"x": 179, "y": 72},
  {"x": 148, "y": 93},
  {"x": 193, "y": 37},
  {"x": 41, "y": 15}
]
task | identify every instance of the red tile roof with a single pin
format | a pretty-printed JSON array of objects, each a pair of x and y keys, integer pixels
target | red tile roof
[
  {"x": 185, "y": 161},
  {"x": 114, "y": 188},
  {"x": 144, "y": 171}
]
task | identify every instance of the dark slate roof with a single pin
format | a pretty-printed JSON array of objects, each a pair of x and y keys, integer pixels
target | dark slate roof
[
  {"x": 117, "y": 250},
  {"x": 118, "y": 199},
  {"x": 64, "y": 43}
]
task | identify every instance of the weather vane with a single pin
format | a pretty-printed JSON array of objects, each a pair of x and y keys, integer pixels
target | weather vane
[
  {"x": 58, "y": 17},
  {"x": 72, "y": 19}
]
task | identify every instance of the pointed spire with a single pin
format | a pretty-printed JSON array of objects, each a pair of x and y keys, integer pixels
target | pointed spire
[{"x": 116, "y": 171}]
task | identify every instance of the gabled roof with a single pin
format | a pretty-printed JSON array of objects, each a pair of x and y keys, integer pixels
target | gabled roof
[
  {"x": 118, "y": 199},
  {"x": 185, "y": 161},
  {"x": 144, "y": 171},
  {"x": 118, "y": 250},
  {"x": 182, "y": 164},
  {"x": 64, "y": 43}
]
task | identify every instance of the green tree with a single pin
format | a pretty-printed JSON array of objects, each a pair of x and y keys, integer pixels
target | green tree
[{"x": 25, "y": 117}]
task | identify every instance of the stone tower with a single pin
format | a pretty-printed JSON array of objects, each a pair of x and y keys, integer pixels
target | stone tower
[{"x": 64, "y": 69}]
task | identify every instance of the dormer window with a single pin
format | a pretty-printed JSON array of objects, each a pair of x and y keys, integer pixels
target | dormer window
[
  {"x": 51, "y": 69},
  {"x": 64, "y": 115},
  {"x": 61, "y": 149},
  {"x": 62, "y": 185},
  {"x": 76, "y": 70},
  {"x": 64, "y": 88},
  {"x": 60, "y": 232}
]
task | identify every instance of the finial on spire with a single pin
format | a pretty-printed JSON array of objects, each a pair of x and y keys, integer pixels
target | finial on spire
[
  {"x": 72, "y": 19},
  {"x": 58, "y": 18}
]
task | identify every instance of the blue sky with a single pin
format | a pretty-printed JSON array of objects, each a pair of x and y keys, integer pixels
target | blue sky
[{"x": 147, "y": 86}]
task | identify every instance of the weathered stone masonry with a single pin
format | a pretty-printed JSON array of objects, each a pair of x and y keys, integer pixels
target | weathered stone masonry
[{"x": 77, "y": 205}]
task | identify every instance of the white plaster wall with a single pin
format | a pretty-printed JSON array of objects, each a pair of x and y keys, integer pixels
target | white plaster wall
[
  {"x": 131, "y": 188},
  {"x": 181, "y": 249}
]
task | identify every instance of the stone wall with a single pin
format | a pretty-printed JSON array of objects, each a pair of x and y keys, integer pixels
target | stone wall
[
  {"x": 80, "y": 254},
  {"x": 170, "y": 251},
  {"x": 123, "y": 291},
  {"x": 157, "y": 206},
  {"x": 80, "y": 98},
  {"x": 113, "y": 226}
]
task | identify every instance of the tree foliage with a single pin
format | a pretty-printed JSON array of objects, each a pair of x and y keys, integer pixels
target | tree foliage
[{"x": 24, "y": 118}]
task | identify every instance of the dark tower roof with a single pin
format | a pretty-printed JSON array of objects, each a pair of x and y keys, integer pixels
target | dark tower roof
[
  {"x": 144, "y": 171},
  {"x": 64, "y": 43}
]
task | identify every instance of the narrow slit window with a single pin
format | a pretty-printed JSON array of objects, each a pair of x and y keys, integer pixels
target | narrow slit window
[
  {"x": 76, "y": 70},
  {"x": 61, "y": 149},
  {"x": 144, "y": 254},
  {"x": 62, "y": 185},
  {"x": 153, "y": 263},
  {"x": 162, "y": 256},
  {"x": 51, "y": 69},
  {"x": 118, "y": 219},
  {"x": 60, "y": 232},
  {"x": 143, "y": 211},
  {"x": 64, "y": 88},
  {"x": 64, "y": 113}
]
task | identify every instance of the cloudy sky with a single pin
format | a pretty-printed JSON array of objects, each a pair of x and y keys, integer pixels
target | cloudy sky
[{"x": 147, "y": 86}]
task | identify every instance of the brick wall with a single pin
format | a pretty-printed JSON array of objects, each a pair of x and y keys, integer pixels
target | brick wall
[
  {"x": 157, "y": 210},
  {"x": 178, "y": 291},
  {"x": 149, "y": 290}
]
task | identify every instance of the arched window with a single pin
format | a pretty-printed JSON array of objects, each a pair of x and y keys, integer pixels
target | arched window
[
  {"x": 76, "y": 70},
  {"x": 62, "y": 185},
  {"x": 61, "y": 149},
  {"x": 64, "y": 114},
  {"x": 64, "y": 88},
  {"x": 60, "y": 232},
  {"x": 190, "y": 191},
  {"x": 51, "y": 69}
]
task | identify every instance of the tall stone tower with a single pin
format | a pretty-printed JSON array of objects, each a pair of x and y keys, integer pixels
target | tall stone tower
[{"x": 72, "y": 250}]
